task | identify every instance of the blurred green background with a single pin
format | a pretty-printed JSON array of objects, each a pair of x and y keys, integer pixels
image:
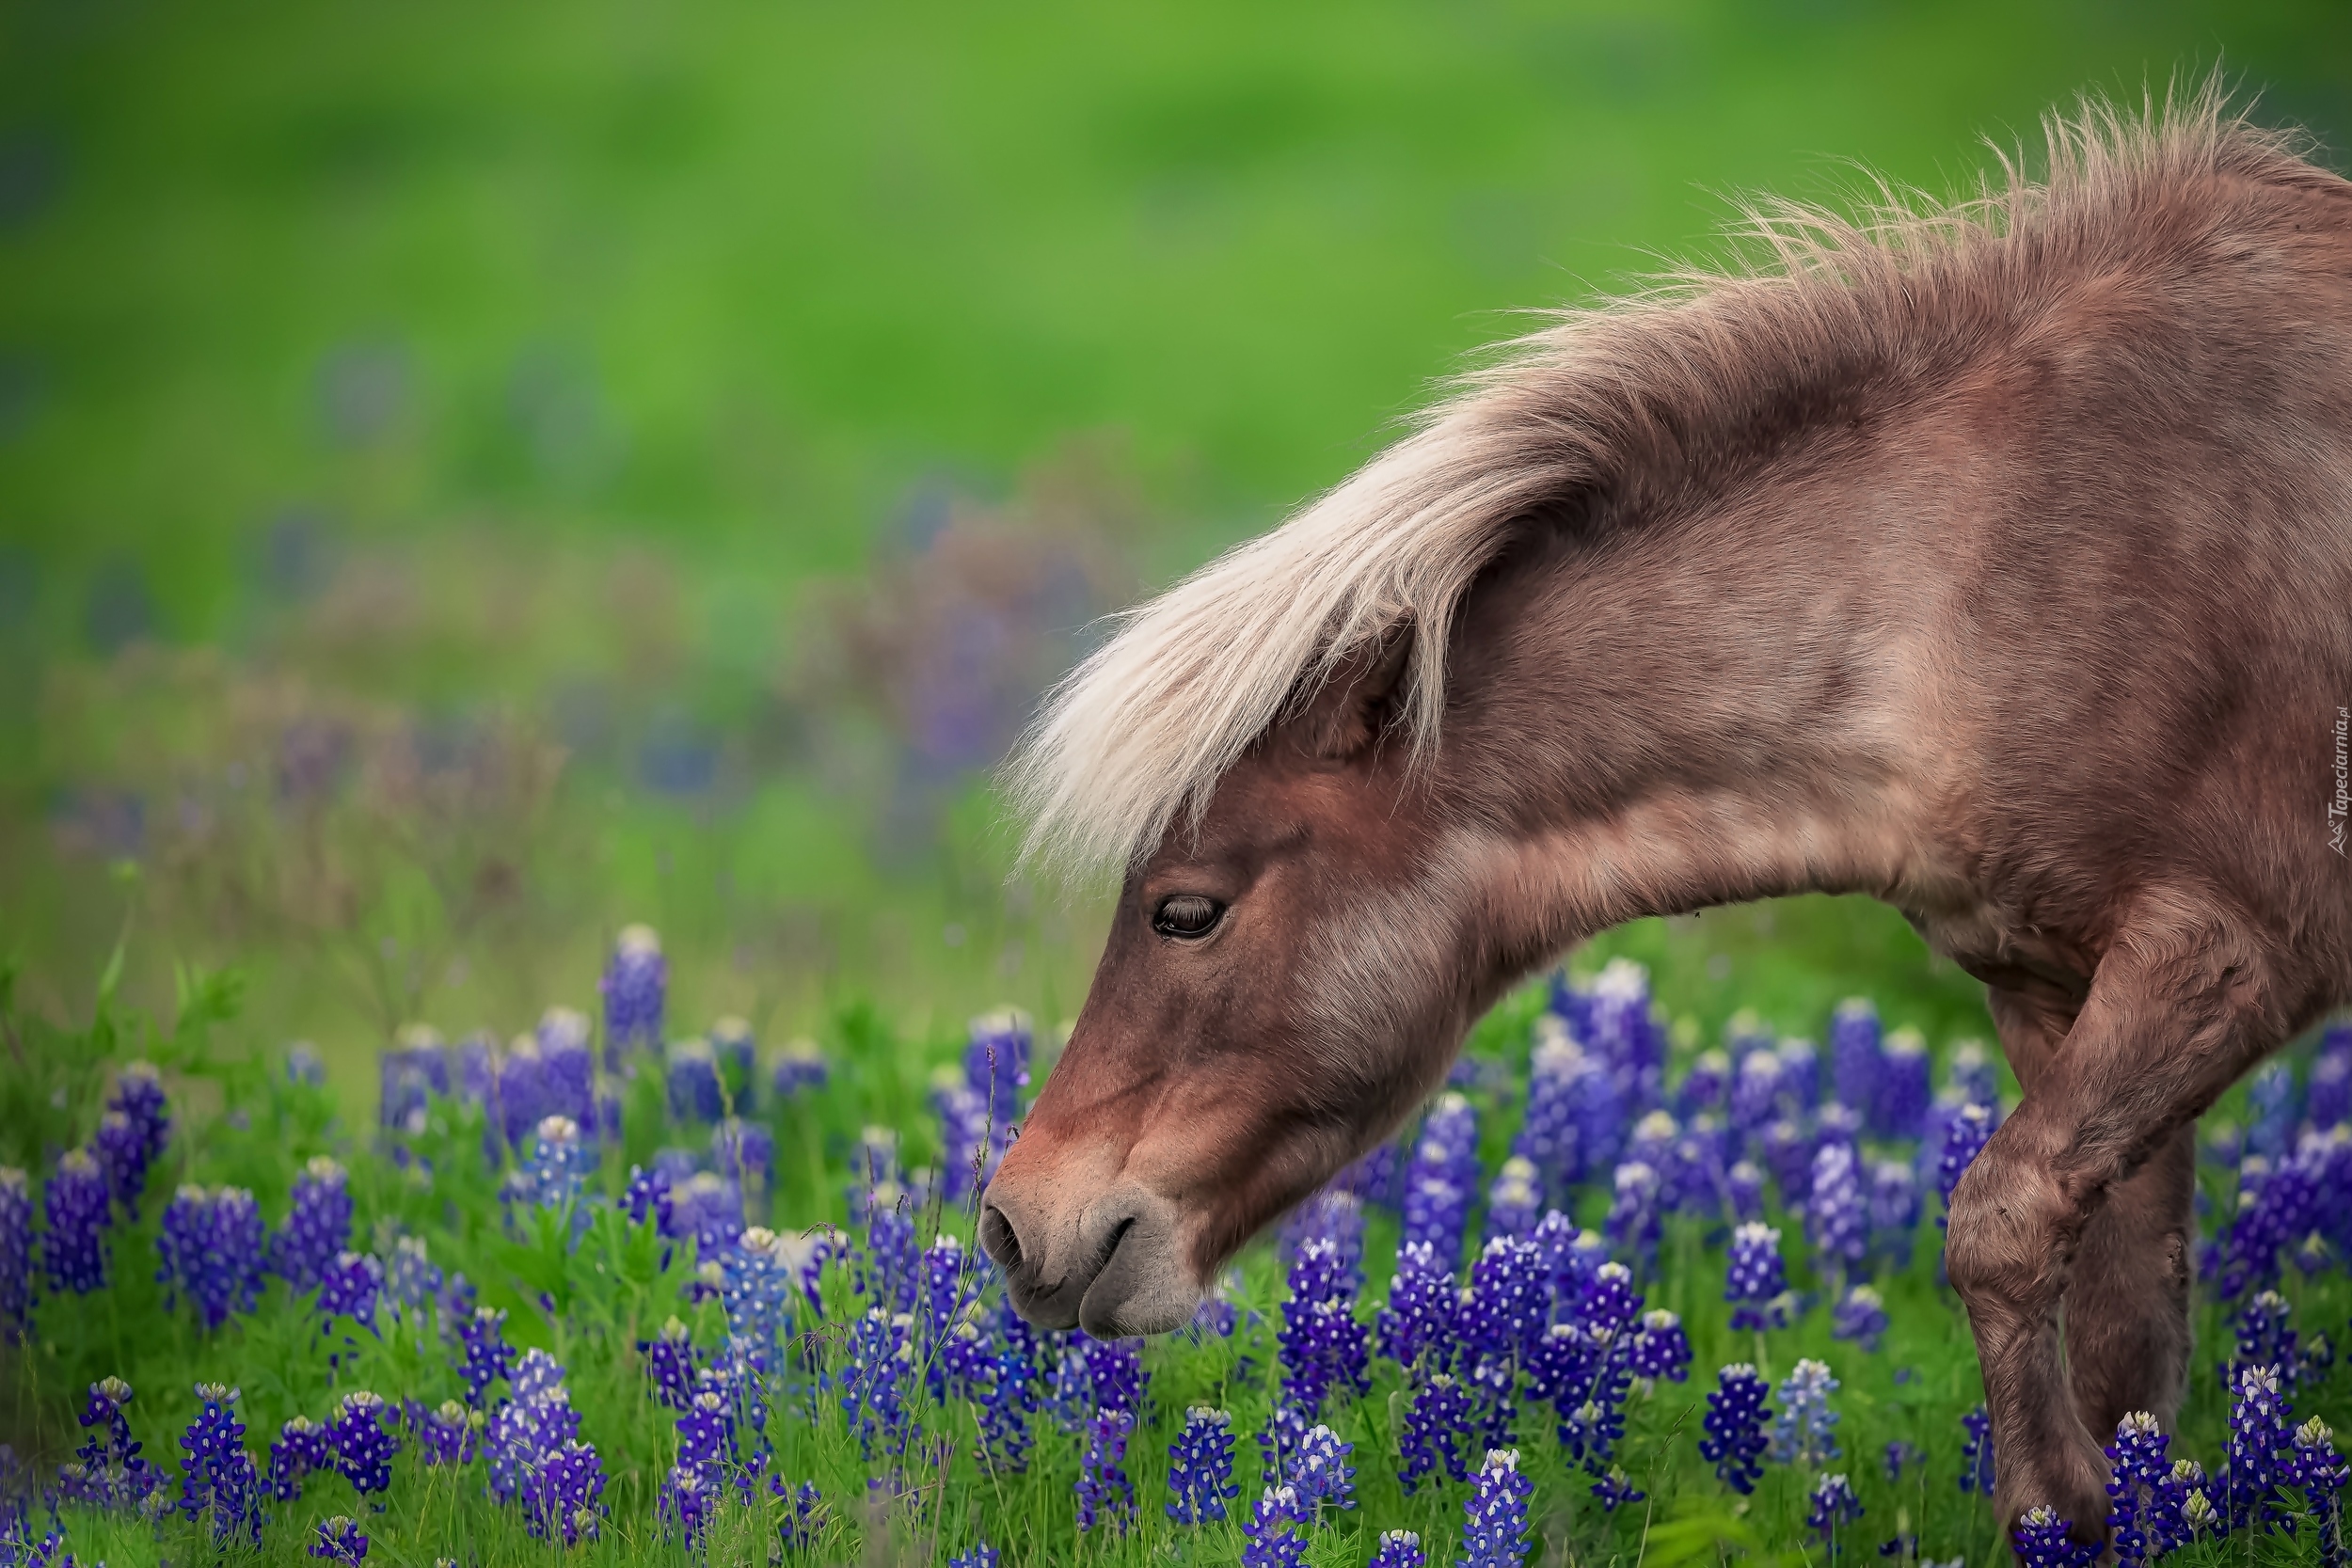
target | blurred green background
[{"x": 471, "y": 476}]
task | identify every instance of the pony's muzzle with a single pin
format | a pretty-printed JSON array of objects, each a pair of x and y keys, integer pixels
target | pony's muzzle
[{"x": 1117, "y": 1271}]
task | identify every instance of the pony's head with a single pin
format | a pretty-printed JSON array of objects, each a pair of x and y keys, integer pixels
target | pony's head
[{"x": 1279, "y": 986}]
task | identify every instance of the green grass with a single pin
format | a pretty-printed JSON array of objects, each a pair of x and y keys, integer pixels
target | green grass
[{"x": 240, "y": 1121}]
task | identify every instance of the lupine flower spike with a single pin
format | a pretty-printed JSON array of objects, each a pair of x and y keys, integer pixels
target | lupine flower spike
[
  {"x": 1735, "y": 1440},
  {"x": 1399, "y": 1549},
  {"x": 2046, "y": 1540},
  {"x": 341, "y": 1539},
  {"x": 1201, "y": 1468},
  {"x": 1495, "y": 1534}
]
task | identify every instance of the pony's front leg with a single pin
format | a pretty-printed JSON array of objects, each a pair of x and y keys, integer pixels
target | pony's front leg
[{"x": 2181, "y": 1004}]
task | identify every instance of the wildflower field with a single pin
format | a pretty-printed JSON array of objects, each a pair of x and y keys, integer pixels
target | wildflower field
[{"x": 619, "y": 1292}]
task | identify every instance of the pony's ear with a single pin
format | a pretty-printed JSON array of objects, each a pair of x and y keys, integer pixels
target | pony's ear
[{"x": 1347, "y": 715}]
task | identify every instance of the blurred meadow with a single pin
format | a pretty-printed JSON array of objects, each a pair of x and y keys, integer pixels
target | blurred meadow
[{"x": 471, "y": 477}]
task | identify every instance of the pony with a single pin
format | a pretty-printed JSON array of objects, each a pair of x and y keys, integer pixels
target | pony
[{"x": 1993, "y": 560}]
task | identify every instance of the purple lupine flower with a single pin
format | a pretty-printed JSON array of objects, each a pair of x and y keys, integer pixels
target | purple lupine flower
[
  {"x": 554, "y": 1175},
  {"x": 1735, "y": 1440},
  {"x": 2139, "y": 1517},
  {"x": 446, "y": 1435},
  {"x": 670, "y": 1364},
  {"x": 1834, "y": 1504},
  {"x": 524, "y": 1099},
  {"x": 1964, "y": 1136},
  {"x": 873, "y": 1389},
  {"x": 1759, "y": 1093},
  {"x": 1418, "y": 1318},
  {"x": 364, "y": 1442},
  {"x": 1900, "y": 1455},
  {"x": 1653, "y": 1145},
  {"x": 1972, "y": 1074},
  {"x": 2046, "y": 1541},
  {"x": 691, "y": 1072},
  {"x": 2327, "y": 1091},
  {"x": 317, "y": 1228},
  {"x": 1626, "y": 1033},
  {"x": 302, "y": 1445},
  {"x": 1495, "y": 1534},
  {"x": 684, "y": 1502},
  {"x": 1789, "y": 1155},
  {"x": 487, "y": 1357},
  {"x": 569, "y": 1499},
  {"x": 536, "y": 1374},
  {"x": 1270, "y": 1537},
  {"x": 75, "y": 1209},
  {"x": 1658, "y": 1347},
  {"x": 1706, "y": 1086},
  {"x": 1800, "y": 1072},
  {"x": 709, "y": 1209},
  {"x": 1633, "y": 1220},
  {"x": 213, "y": 1245},
  {"x": 1114, "y": 1370},
  {"x": 648, "y": 1198},
  {"x": 746, "y": 1155},
  {"x": 2261, "y": 1421},
  {"x": 1442, "y": 1175},
  {"x": 1894, "y": 1206},
  {"x": 2188, "y": 1493},
  {"x": 1975, "y": 1453},
  {"x": 138, "y": 1098},
  {"x": 1855, "y": 1053},
  {"x": 757, "y": 1286},
  {"x": 1201, "y": 1468},
  {"x": 218, "y": 1477},
  {"x": 707, "y": 1453},
  {"x": 411, "y": 1280},
  {"x": 1756, "y": 1282},
  {"x": 1836, "y": 1222},
  {"x": 1743, "y": 1188},
  {"x": 568, "y": 1064},
  {"x": 738, "y": 1050},
  {"x": 1803, "y": 1434},
  {"x": 1399, "y": 1549},
  {"x": 1105, "y": 1493},
  {"x": 526, "y": 1433},
  {"x": 1702, "y": 1163},
  {"x": 106, "y": 1470},
  {"x": 2320, "y": 1472},
  {"x": 2274, "y": 1214},
  {"x": 1012, "y": 1398},
  {"x": 1503, "y": 1314},
  {"x": 1904, "y": 1086},
  {"x": 414, "y": 1069},
  {"x": 1437, "y": 1425},
  {"x": 1860, "y": 1316},
  {"x": 1322, "y": 1344},
  {"x": 982, "y": 1555},
  {"x": 1320, "y": 1473},
  {"x": 341, "y": 1539},
  {"x": 2266, "y": 1338},
  {"x": 1515, "y": 1204},
  {"x": 474, "y": 1071},
  {"x": 349, "y": 1289},
  {"x": 635, "y": 987},
  {"x": 997, "y": 1061},
  {"x": 2271, "y": 1108},
  {"x": 1548, "y": 1138},
  {"x": 799, "y": 1068},
  {"x": 16, "y": 1254}
]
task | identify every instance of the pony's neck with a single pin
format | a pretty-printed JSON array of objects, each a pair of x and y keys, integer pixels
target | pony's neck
[{"x": 1737, "y": 705}]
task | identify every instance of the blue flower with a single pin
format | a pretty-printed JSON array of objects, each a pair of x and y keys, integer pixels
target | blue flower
[
  {"x": 1834, "y": 1504},
  {"x": 1756, "y": 1282},
  {"x": 635, "y": 988},
  {"x": 1437, "y": 1423},
  {"x": 1860, "y": 1316},
  {"x": 1495, "y": 1534},
  {"x": 211, "y": 1245},
  {"x": 873, "y": 1386},
  {"x": 1893, "y": 1204},
  {"x": 1856, "y": 1055},
  {"x": 1634, "y": 1215},
  {"x": 1964, "y": 1137},
  {"x": 1201, "y": 1468},
  {"x": 1320, "y": 1473},
  {"x": 218, "y": 1478},
  {"x": 317, "y": 1228},
  {"x": 302, "y": 1445},
  {"x": 1836, "y": 1220},
  {"x": 1735, "y": 1440},
  {"x": 1270, "y": 1537},
  {"x": 1901, "y": 1104},
  {"x": 76, "y": 1210},
  {"x": 2260, "y": 1426},
  {"x": 341, "y": 1539},
  {"x": 1514, "y": 1203},
  {"x": 1743, "y": 1188},
  {"x": 1805, "y": 1432},
  {"x": 363, "y": 1441},
  {"x": 349, "y": 1289},
  {"x": 691, "y": 1076},
  {"x": 1658, "y": 1347},
  {"x": 1399, "y": 1549},
  {"x": 16, "y": 1254},
  {"x": 1418, "y": 1318},
  {"x": 446, "y": 1435},
  {"x": 2139, "y": 1516},
  {"x": 106, "y": 1470},
  {"x": 982, "y": 1555},
  {"x": 413, "y": 1070},
  {"x": 1105, "y": 1493},
  {"x": 2046, "y": 1541},
  {"x": 1976, "y": 1454}
]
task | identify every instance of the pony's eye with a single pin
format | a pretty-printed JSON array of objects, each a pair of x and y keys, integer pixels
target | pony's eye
[{"x": 1186, "y": 915}]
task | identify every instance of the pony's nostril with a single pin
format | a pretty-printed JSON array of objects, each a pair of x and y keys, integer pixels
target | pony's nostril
[{"x": 999, "y": 1239}]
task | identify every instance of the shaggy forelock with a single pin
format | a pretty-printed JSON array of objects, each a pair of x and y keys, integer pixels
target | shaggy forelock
[{"x": 1621, "y": 403}]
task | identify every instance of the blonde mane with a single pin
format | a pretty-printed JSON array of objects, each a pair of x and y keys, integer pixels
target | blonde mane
[{"x": 1618, "y": 403}]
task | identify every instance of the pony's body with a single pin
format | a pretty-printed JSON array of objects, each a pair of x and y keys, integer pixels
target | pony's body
[{"x": 1999, "y": 566}]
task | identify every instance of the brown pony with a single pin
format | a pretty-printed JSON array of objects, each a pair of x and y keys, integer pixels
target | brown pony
[{"x": 1996, "y": 561}]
